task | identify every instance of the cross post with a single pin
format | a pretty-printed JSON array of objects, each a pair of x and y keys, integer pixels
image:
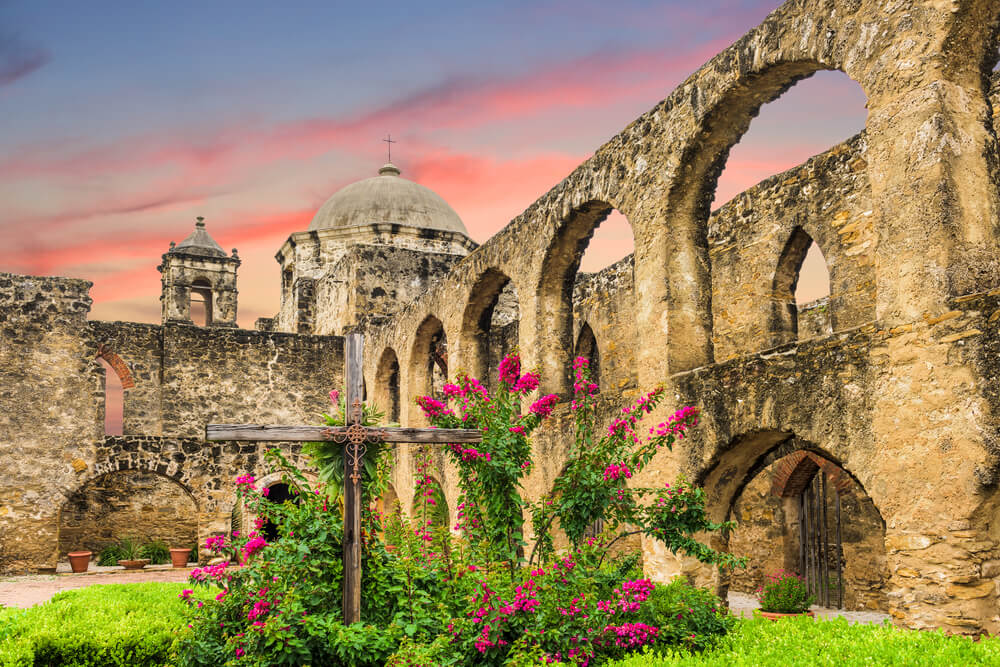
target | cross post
[
  {"x": 355, "y": 437},
  {"x": 389, "y": 142}
]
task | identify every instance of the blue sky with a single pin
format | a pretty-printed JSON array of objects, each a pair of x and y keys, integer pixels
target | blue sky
[{"x": 123, "y": 121}]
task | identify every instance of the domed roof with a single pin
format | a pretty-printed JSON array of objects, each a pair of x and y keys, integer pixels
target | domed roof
[
  {"x": 199, "y": 242},
  {"x": 387, "y": 198}
]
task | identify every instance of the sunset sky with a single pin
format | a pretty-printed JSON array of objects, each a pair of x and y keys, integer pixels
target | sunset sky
[{"x": 121, "y": 122}]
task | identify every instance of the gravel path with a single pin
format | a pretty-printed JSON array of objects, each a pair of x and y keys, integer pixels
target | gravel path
[
  {"x": 743, "y": 605},
  {"x": 30, "y": 590}
]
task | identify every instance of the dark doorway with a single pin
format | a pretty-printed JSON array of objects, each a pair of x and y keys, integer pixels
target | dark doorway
[{"x": 277, "y": 493}]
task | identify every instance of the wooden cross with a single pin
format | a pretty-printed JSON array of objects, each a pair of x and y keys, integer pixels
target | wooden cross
[{"x": 355, "y": 437}]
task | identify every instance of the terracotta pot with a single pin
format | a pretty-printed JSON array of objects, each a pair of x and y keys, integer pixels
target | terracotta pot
[
  {"x": 179, "y": 557},
  {"x": 775, "y": 615},
  {"x": 134, "y": 564},
  {"x": 80, "y": 560}
]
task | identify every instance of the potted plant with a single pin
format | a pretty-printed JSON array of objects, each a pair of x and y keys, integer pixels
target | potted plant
[
  {"x": 784, "y": 594},
  {"x": 179, "y": 557},
  {"x": 79, "y": 561},
  {"x": 130, "y": 554}
]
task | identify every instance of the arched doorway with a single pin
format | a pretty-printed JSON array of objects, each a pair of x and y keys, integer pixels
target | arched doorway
[
  {"x": 278, "y": 493},
  {"x": 806, "y": 514}
]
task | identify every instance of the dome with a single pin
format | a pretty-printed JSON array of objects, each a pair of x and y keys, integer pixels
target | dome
[
  {"x": 199, "y": 242},
  {"x": 387, "y": 198}
]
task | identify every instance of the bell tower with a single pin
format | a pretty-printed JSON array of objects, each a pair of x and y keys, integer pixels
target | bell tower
[{"x": 198, "y": 270}]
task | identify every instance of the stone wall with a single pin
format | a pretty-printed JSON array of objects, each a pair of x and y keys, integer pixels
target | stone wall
[
  {"x": 890, "y": 379},
  {"x": 141, "y": 505},
  {"x": 182, "y": 377}
]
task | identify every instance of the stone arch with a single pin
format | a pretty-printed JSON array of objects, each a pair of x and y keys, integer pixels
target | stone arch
[
  {"x": 790, "y": 464},
  {"x": 128, "y": 501},
  {"x": 586, "y": 347},
  {"x": 117, "y": 364},
  {"x": 555, "y": 293},
  {"x": 784, "y": 320},
  {"x": 428, "y": 357},
  {"x": 387, "y": 396},
  {"x": 202, "y": 288},
  {"x": 482, "y": 345}
]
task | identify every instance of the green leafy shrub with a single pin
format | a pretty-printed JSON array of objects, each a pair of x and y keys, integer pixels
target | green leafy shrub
[
  {"x": 109, "y": 556},
  {"x": 157, "y": 551},
  {"x": 106, "y": 625},
  {"x": 130, "y": 548},
  {"x": 804, "y": 642},
  {"x": 784, "y": 593}
]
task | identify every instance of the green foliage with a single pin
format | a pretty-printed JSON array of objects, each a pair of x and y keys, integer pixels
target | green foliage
[
  {"x": 130, "y": 548},
  {"x": 490, "y": 473},
  {"x": 127, "y": 625},
  {"x": 594, "y": 483},
  {"x": 109, "y": 556},
  {"x": 784, "y": 593},
  {"x": 804, "y": 642},
  {"x": 157, "y": 551},
  {"x": 328, "y": 456}
]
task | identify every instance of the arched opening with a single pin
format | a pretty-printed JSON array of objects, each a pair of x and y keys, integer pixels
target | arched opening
[
  {"x": 201, "y": 302},
  {"x": 430, "y": 507},
  {"x": 114, "y": 400},
  {"x": 128, "y": 503},
  {"x": 561, "y": 290},
  {"x": 586, "y": 347},
  {"x": 801, "y": 291},
  {"x": 278, "y": 493},
  {"x": 429, "y": 360},
  {"x": 489, "y": 325},
  {"x": 804, "y": 513},
  {"x": 387, "y": 385}
]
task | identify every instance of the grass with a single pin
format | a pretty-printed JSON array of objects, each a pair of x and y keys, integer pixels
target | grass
[
  {"x": 803, "y": 642},
  {"x": 115, "y": 625}
]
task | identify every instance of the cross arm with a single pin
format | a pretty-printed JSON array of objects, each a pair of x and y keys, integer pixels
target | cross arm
[{"x": 305, "y": 433}]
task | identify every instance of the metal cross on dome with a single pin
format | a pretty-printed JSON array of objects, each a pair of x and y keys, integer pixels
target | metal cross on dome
[
  {"x": 389, "y": 142},
  {"x": 355, "y": 437}
]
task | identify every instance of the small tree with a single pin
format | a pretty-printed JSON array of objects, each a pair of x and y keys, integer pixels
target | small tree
[
  {"x": 593, "y": 486},
  {"x": 490, "y": 474}
]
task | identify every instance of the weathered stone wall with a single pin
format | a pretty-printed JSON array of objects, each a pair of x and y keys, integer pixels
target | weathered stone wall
[
  {"x": 141, "y": 505},
  {"x": 889, "y": 379},
  {"x": 183, "y": 377}
]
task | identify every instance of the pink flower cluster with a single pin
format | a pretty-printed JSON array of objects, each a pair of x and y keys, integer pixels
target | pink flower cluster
[
  {"x": 623, "y": 427},
  {"x": 677, "y": 423},
  {"x": 245, "y": 482},
  {"x": 632, "y": 635},
  {"x": 216, "y": 573},
  {"x": 252, "y": 546},
  {"x": 433, "y": 407},
  {"x": 468, "y": 454},
  {"x": 543, "y": 407},
  {"x": 615, "y": 471},
  {"x": 509, "y": 370},
  {"x": 216, "y": 543}
]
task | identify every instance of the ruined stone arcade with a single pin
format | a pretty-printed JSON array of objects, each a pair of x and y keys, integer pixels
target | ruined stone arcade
[{"x": 890, "y": 386}]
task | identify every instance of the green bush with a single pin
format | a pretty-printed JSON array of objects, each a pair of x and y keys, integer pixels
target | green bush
[
  {"x": 784, "y": 593},
  {"x": 804, "y": 642},
  {"x": 109, "y": 556},
  {"x": 157, "y": 551},
  {"x": 100, "y": 626}
]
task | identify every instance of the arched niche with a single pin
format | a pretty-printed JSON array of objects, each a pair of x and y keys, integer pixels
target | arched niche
[
  {"x": 586, "y": 347},
  {"x": 788, "y": 303},
  {"x": 428, "y": 358},
  {"x": 489, "y": 324},
  {"x": 555, "y": 293},
  {"x": 128, "y": 503},
  {"x": 387, "y": 396},
  {"x": 200, "y": 302}
]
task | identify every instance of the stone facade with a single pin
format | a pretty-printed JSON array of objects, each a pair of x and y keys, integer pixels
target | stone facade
[{"x": 892, "y": 381}]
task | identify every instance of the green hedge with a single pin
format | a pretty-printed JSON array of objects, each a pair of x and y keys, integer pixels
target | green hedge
[
  {"x": 803, "y": 642},
  {"x": 116, "y": 625}
]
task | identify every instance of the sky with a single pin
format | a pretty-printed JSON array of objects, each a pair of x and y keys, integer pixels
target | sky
[{"x": 120, "y": 122}]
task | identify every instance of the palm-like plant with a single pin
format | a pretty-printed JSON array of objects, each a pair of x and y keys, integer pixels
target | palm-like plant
[{"x": 328, "y": 456}]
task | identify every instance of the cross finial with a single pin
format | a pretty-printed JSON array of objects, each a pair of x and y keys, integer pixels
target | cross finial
[{"x": 388, "y": 140}]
